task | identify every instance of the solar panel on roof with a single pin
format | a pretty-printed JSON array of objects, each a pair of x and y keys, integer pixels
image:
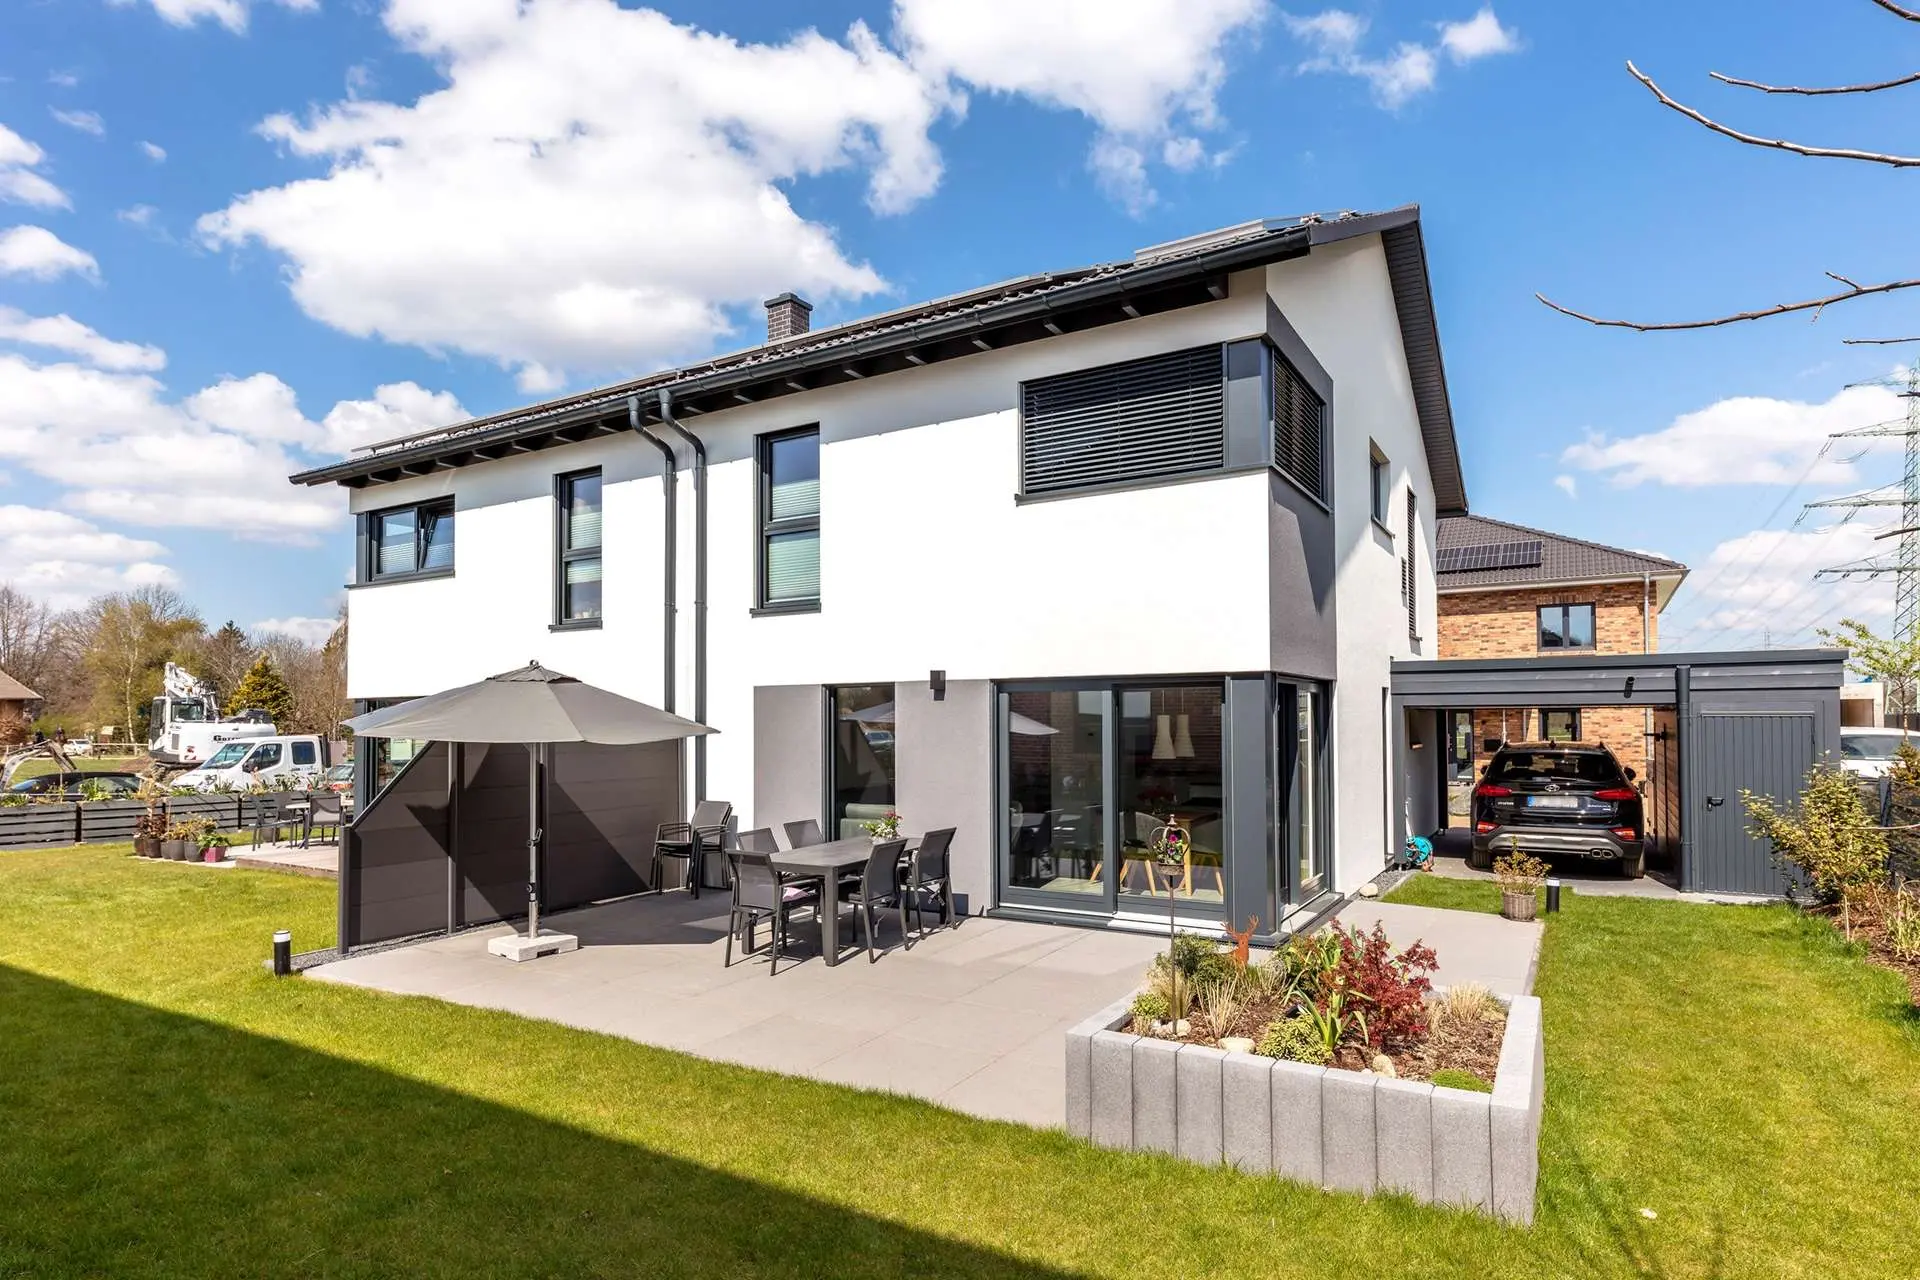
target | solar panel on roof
[{"x": 1489, "y": 555}]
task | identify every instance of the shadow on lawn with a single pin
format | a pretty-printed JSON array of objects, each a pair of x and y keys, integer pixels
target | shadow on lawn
[{"x": 144, "y": 1142}]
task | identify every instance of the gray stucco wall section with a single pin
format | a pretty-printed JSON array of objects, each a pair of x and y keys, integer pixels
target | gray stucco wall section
[
  {"x": 1255, "y": 888},
  {"x": 789, "y": 739},
  {"x": 944, "y": 776},
  {"x": 1300, "y": 566}
]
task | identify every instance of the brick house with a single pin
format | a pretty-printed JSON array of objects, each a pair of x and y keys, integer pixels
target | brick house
[
  {"x": 17, "y": 705},
  {"x": 1506, "y": 590}
]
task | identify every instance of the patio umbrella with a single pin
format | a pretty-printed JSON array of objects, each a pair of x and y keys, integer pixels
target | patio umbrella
[
  {"x": 534, "y": 707},
  {"x": 881, "y": 714}
]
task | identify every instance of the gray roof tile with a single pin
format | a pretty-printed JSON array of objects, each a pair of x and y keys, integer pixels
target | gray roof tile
[{"x": 1562, "y": 559}]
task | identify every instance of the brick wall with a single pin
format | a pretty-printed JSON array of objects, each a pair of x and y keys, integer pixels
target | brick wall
[{"x": 1505, "y": 624}]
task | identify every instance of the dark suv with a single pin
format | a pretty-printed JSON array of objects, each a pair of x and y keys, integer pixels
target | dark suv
[{"x": 1559, "y": 799}]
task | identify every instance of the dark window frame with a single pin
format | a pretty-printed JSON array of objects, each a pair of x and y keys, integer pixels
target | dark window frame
[
  {"x": 766, "y": 528},
  {"x": 1379, "y": 485},
  {"x": 370, "y": 557},
  {"x": 565, "y": 554},
  {"x": 1566, "y": 627},
  {"x": 1544, "y": 712}
]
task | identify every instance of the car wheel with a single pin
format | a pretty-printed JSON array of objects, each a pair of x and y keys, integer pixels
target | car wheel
[
  {"x": 1480, "y": 859},
  {"x": 1635, "y": 867}
]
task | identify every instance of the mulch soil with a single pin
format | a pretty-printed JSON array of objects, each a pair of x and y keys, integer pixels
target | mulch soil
[
  {"x": 1871, "y": 931},
  {"x": 1470, "y": 1047}
]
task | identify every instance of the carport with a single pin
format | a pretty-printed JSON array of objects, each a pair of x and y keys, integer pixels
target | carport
[{"x": 1748, "y": 720}]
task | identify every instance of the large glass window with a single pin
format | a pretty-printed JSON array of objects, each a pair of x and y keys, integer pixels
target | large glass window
[
  {"x": 1055, "y": 757},
  {"x": 409, "y": 541},
  {"x": 1306, "y": 792},
  {"x": 861, "y": 784},
  {"x": 1566, "y": 626},
  {"x": 579, "y": 548},
  {"x": 789, "y": 536},
  {"x": 1171, "y": 776}
]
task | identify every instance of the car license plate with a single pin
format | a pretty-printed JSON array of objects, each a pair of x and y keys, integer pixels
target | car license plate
[{"x": 1553, "y": 802}]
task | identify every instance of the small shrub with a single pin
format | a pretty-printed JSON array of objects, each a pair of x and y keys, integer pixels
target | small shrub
[
  {"x": 1832, "y": 839},
  {"x": 1222, "y": 1004},
  {"x": 1448, "y": 1078},
  {"x": 1901, "y": 915},
  {"x": 1392, "y": 985},
  {"x": 1465, "y": 1004},
  {"x": 1293, "y": 1040},
  {"x": 1172, "y": 986},
  {"x": 1190, "y": 950},
  {"x": 1150, "y": 1006},
  {"x": 1519, "y": 872},
  {"x": 14, "y": 800}
]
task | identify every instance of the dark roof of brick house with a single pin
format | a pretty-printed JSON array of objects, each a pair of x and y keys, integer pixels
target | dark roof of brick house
[
  {"x": 12, "y": 690},
  {"x": 1514, "y": 555}
]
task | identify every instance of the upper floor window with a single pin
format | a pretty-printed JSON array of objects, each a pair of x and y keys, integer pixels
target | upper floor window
[
  {"x": 1300, "y": 431},
  {"x": 1566, "y": 626},
  {"x": 577, "y": 547},
  {"x": 410, "y": 541},
  {"x": 1141, "y": 420},
  {"x": 789, "y": 524},
  {"x": 1379, "y": 483}
]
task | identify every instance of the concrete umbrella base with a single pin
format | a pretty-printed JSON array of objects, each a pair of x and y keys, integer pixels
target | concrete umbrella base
[{"x": 518, "y": 946}]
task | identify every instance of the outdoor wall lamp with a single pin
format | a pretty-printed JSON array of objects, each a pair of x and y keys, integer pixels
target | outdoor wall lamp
[
  {"x": 937, "y": 681},
  {"x": 1629, "y": 692}
]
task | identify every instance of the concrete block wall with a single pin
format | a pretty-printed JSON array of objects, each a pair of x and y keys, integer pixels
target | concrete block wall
[{"x": 1341, "y": 1130}]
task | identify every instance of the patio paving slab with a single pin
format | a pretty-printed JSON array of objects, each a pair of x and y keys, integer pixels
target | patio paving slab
[{"x": 1470, "y": 946}]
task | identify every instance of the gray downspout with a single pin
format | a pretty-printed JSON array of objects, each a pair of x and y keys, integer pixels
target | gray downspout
[
  {"x": 699, "y": 587},
  {"x": 668, "y": 590}
]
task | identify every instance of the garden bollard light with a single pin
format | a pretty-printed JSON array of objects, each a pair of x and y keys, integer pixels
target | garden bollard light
[
  {"x": 1553, "y": 896},
  {"x": 282, "y": 953}
]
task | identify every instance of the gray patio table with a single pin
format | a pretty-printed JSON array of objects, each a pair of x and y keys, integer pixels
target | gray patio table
[{"x": 826, "y": 861}]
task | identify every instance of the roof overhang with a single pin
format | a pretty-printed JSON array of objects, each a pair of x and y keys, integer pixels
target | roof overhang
[
  {"x": 1664, "y": 584},
  {"x": 1037, "y": 308}
]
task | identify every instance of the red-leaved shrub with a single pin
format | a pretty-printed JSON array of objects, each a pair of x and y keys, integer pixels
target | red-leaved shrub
[{"x": 1392, "y": 986}]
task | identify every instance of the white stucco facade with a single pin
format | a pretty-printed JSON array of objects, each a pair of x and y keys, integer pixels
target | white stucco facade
[{"x": 929, "y": 559}]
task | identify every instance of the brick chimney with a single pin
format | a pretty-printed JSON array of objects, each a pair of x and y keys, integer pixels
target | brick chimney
[{"x": 787, "y": 315}]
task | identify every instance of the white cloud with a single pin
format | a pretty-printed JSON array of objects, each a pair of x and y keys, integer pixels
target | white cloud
[
  {"x": 554, "y": 210},
  {"x": 1759, "y": 587},
  {"x": 1337, "y": 37},
  {"x": 64, "y": 333},
  {"x": 121, "y": 450},
  {"x": 63, "y": 560},
  {"x": 84, "y": 121},
  {"x": 1478, "y": 37},
  {"x": 313, "y": 631},
  {"x": 139, "y": 215},
  {"x": 154, "y": 152},
  {"x": 19, "y": 183},
  {"x": 1567, "y": 485},
  {"x": 1745, "y": 440},
  {"x": 64, "y": 79},
  {"x": 231, "y": 14},
  {"x": 1147, "y": 72},
  {"x": 397, "y": 409},
  {"x": 39, "y": 254}
]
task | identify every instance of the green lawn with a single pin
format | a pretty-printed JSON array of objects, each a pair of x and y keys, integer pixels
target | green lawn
[
  {"x": 85, "y": 764},
  {"x": 168, "y": 1108}
]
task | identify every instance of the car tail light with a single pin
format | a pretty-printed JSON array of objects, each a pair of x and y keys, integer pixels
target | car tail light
[
  {"x": 1616, "y": 793},
  {"x": 1484, "y": 827},
  {"x": 1492, "y": 789},
  {"x": 1625, "y": 833}
]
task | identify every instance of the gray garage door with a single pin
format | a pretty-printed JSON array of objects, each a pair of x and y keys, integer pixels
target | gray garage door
[{"x": 1765, "y": 754}]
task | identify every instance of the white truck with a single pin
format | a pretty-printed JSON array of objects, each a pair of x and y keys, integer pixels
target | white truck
[
  {"x": 186, "y": 728},
  {"x": 289, "y": 762}
]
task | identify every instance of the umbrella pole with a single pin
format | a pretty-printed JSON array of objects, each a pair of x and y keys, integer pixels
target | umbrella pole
[{"x": 535, "y": 781}]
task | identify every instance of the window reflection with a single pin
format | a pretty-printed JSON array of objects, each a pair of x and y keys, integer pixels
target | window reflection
[
  {"x": 1171, "y": 775},
  {"x": 1056, "y": 771},
  {"x": 863, "y": 758}
]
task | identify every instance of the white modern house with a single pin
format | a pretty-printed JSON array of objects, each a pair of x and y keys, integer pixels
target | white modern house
[{"x": 1053, "y": 563}]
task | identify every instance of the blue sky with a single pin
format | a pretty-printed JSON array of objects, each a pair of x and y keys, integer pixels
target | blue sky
[{"x": 277, "y": 228}]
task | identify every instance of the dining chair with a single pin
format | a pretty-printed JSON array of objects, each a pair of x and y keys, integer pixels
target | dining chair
[
  {"x": 269, "y": 816},
  {"x": 803, "y": 834},
  {"x": 928, "y": 872},
  {"x": 758, "y": 840},
  {"x": 325, "y": 810},
  {"x": 759, "y": 890},
  {"x": 878, "y": 886},
  {"x": 709, "y": 823},
  {"x": 674, "y": 840}
]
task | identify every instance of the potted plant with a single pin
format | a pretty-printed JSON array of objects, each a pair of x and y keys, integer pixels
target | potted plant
[
  {"x": 1520, "y": 876},
  {"x": 884, "y": 828},
  {"x": 176, "y": 844},
  {"x": 149, "y": 829},
  {"x": 213, "y": 846}
]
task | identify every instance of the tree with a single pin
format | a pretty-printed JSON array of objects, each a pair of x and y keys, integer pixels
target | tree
[
  {"x": 223, "y": 658},
  {"x": 1850, "y": 289},
  {"x": 1895, "y": 663},
  {"x": 263, "y": 687},
  {"x": 129, "y": 639},
  {"x": 25, "y": 632}
]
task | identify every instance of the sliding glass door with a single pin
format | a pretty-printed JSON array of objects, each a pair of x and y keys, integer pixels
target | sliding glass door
[
  {"x": 1054, "y": 762},
  {"x": 860, "y": 781}
]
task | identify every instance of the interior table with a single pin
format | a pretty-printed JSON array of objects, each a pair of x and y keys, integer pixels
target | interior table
[{"x": 826, "y": 862}]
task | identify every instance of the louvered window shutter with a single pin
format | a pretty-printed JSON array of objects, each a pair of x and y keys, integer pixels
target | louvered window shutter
[
  {"x": 1163, "y": 416},
  {"x": 1408, "y": 589},
  {"x": 1299, "y": 430}
]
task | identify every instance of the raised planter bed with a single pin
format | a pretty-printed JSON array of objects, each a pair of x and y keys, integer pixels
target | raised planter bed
[{"x": 1328, "y": 1127}]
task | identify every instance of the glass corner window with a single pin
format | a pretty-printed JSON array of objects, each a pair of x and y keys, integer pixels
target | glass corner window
[
  {"x": 578, "y": 543},
  {"x": 408, "y": 541},
  {"x": 789, "y": 524}
]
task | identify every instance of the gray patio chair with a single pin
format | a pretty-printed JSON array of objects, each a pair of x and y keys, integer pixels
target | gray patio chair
[
  {"x": 758, "y": 840},
  {"x": 327, "y": 810},
  {"x": 759, "y": 890},
  {"x": 691, "y": 841},
  {"x": 878, "y": 886},
  {"x": 804, "y": 834},
  {"x": 709, "y": 823},
  {"x": 928, "y": 872},
  {"x": 270, "y": 816}
]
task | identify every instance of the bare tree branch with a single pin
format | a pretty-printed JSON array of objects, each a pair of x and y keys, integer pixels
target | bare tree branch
[
  {"x": 1898, "y": 11},
  {"x": 1815, "y": 305},
  {"x": 1789, "y": 88},
  {"x": 1777, "y": 144},
  {"x": 1875, "y": 342}
]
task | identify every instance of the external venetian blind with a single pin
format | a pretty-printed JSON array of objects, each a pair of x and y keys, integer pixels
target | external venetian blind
[
  {"x": 1299, "y": 418},
  {"x": 1143, "y": 420}
]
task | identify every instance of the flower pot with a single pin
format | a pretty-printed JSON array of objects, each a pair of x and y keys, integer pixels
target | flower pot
[
  {"x": 1518, "y": 904},
  {"x": 213, "y": 853},
  {"x": 176, "y": 850},
  {"x": 146, "y": 846}
]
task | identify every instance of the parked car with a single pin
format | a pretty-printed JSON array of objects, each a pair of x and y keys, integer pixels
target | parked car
[
  {"x": 290, "y": 761},
  {"x": 1869, "y": 753},
  {"x": 338, "y": 778},
  {"x": 1565, "y": 799},
  {"x": 68, "y": 785}
]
